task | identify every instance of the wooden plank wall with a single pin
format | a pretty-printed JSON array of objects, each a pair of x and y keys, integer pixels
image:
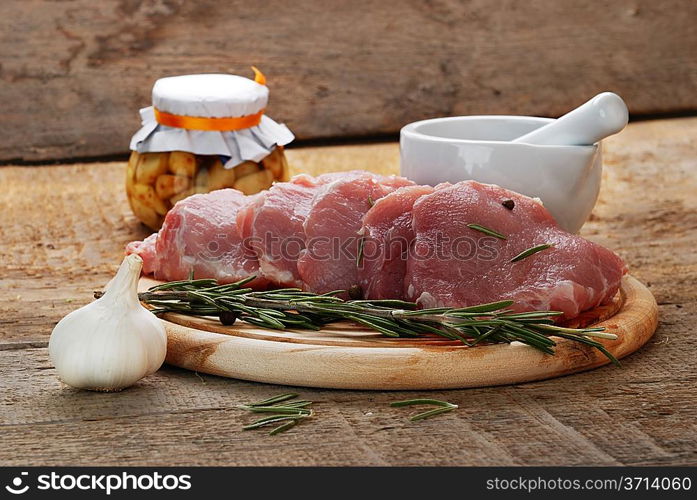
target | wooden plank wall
[{"x": 74, "y": 73}]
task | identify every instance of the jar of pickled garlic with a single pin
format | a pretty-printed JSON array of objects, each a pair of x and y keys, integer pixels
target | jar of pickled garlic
[{"x": 202, "y": 133}]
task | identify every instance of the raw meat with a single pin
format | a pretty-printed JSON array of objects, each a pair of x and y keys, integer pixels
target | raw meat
[
  {"x": 387, "y": 232},
  {"x": 200, "y": 234},
  {"x": 146, "y": 250},
  {"x": 273, "y": 225},
  {"x": 332, "y": 230},
  {"x": 454, "y": 265},
  {"x": 415, "y": 243}
]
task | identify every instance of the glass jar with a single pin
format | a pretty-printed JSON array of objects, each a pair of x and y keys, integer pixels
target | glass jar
[
  {"x": 155, "y": 182},
  {"x": 223, "y": 116}
]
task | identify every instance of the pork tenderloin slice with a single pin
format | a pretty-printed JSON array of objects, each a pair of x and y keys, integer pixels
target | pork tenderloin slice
[
  {"x": 200, "y": 234},
  {"x": 332, "y": 229},
  {"x": 388, "y": 234},
  {"x": 453, "y": 265}
]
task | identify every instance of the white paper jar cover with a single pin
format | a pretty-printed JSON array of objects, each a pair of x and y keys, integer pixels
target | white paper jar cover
[{"x": 210, "y": 96}]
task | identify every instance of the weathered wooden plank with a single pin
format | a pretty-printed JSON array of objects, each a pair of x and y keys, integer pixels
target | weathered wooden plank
[
  {"x": 74, "y": 74},
  {"x": 180, "y": 418},
  {"x": 62, "y": 230}
]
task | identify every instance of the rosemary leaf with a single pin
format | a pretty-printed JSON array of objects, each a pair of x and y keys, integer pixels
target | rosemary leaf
[
  {"x": 386, "y": 303},
  {"x": 269, "y": 420},
  {"x": 410, "y": 402},
  {"x": 175, "y": 284},
  {"x": 431, "y": 413},
  {"x": 273, "y": 400},
  {"x": 261, "y": 323},
  {"x": 284, "y": 410},
  {"x": 530, "y": 251},
  {"x": 486, "y": 334},
  {"x": 359, "y": 257},
  {"x": 283, "y": 427},
  {"x": 443, "y": 407},
  {"x": 281, "y": 410},
  {"x": 272, "y": 321},
  {"x": 591, "y": 343},
  {"x": 486, "y": 230},
  {"x": 298, "y": 404},
  {"x": 492, "y": 306},
  {"x": 533, "y": 315},
  {"x": 372, "y": 325},
  {"x": 589, "y": 332}
]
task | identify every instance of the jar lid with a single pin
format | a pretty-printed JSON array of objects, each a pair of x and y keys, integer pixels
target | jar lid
[
  {"x": 211, "y": 114},
  {"x": 209, "y": 95}
]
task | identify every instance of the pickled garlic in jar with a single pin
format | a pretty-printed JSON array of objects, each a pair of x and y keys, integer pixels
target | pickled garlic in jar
[{"x": 202, "y": 133}]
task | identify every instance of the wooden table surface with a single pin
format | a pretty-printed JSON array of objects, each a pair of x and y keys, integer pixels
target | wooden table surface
[{"x": 62, "y": 233}]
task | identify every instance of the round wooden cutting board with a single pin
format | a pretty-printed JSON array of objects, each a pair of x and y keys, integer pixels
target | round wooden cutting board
[{"x": 347, "y": 356}]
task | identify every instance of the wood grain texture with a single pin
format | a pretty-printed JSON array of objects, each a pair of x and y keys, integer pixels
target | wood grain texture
[
  {"x": 350, "y": 357},
  {"x": 62, "y": 232},
  {"x": 75, "y": 73}
]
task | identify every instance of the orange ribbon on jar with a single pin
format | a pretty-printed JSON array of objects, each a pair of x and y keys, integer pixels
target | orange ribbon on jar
[
  {"x": 225, "y": 124},
  {"x": 210, "y": 124}
]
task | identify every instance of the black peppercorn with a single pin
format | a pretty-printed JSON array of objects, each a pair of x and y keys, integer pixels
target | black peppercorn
[
  {"x": 227, "y": 318},
  {"x": 355, "y": 292}
]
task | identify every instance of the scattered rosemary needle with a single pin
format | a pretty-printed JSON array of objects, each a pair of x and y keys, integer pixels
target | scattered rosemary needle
[
  {"x": 411, "y": 402},
  {"x": 294, "y": 309},
  {"x": 443, "y": 407},
  {"x": 530, "y": 251},
  {"x": 283, "y": 427},
  {"x": 486, "y": 230},
  {"x": 273, "y": 400},
  {"x": 431, "y": 413},
  {"x": 285, "y": 413}
]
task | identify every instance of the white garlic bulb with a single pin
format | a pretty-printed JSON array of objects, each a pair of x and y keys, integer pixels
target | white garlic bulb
[{"x": 112, "y": 342}]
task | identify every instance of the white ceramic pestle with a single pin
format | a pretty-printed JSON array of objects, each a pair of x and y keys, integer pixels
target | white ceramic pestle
[{"x": 602, "y": 116}]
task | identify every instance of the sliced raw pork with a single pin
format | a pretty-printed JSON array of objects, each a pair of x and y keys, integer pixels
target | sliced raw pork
[
  {"x": 200, "y": 234},
  {"x": 146, "y": 250},
  {"x": 273, "y": 225},
  {"x": 454, "y": 265},
  {"x": 416, "y": 243},
  {"x": 388, "y": 234},
  {"x": 332, "y": 230}
]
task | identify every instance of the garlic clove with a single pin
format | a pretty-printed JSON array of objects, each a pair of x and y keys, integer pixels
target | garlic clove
[{"x": 113, "y": 342}]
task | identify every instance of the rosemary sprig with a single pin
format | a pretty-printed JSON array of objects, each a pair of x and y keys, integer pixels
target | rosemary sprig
[
  {"x": 486, "y": 230},
  {"x": 443, "y": 407},
  {"x": 289, "y": 413},
  {"x": 291, "y": 308},
  {"x": 530, "y": 251}
]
